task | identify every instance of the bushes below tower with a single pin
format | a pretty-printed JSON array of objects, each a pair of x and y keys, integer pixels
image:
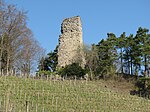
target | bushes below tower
[{"x": 72, "y": 71}]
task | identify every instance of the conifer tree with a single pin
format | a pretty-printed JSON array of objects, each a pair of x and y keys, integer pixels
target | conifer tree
[
  {"x": 128, "y": 57},
  {"x": 50, "y": 62},
  {"x": 121, "y": 46},
  {"x": 107, "y": 54},
  {"x": 143, "y": 39}
]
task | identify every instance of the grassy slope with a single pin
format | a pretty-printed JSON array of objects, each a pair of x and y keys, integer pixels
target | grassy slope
[{"x": 18, "y": 94}]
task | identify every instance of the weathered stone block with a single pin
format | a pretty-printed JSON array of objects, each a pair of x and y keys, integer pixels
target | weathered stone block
[{"x": 70, "y": 48}]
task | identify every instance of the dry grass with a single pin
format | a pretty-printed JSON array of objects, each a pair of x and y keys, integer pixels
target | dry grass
[{"x": 37, "y": 95}]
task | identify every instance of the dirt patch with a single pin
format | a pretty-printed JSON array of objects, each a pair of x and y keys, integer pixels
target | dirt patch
[{"x": 122, "y": 86}]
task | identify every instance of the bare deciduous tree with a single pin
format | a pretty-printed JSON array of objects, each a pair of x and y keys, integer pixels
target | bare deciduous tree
[{"x": 17, "y": 44}]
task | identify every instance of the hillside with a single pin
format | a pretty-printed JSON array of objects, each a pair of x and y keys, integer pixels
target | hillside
[{"x": 37, "y": 95}]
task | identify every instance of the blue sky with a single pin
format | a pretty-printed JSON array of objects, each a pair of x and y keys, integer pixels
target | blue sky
[{"x": 98, "y": 17}]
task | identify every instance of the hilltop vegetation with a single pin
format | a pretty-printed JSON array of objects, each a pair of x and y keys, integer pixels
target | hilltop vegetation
[{"x": 113, "y": 57}]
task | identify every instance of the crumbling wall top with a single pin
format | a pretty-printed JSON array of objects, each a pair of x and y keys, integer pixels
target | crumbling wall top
[{"x": 71, "y": 25}]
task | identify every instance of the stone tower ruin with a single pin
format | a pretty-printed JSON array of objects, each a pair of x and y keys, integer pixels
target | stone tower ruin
[{"x": 70, "y": 48}]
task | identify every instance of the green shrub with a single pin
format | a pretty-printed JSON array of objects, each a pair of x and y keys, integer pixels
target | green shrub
[
  {"x": 72, "y": 70},
  {"x": 44, "y": 72},
  {"x": 144, "y": 85}
]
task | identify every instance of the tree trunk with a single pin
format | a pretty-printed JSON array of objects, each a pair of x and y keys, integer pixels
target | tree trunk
[
  {"x": 7, "y": 66},
  {"x": 1, "y": 53},
  {"x": 136, "y": 71},
  {"x": 131, "y": 67},
  {"x": 91, "y": 77},
  {"x": 145, "y": 65},
  {"x": 128, "y": 66},
  {"x": 121, "y": 62}
]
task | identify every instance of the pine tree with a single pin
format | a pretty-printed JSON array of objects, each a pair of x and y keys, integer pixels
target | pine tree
[
  {"x": 128, "y": 56},
  {"x": 53, "y": 59},
  {"x": 43, "y": 65},
  {"x": 107, "y": 54},
  {"x": 143, "y": 39},
  {"x": 50, "y": 62},
  {"x": 121, "y": 46}
]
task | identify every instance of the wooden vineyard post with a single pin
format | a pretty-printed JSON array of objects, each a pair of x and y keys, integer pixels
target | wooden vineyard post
[
  {"x": 56, "y": 104},
  {"x": 36, "y": 108},
  {"x": 27, "y": 106}
]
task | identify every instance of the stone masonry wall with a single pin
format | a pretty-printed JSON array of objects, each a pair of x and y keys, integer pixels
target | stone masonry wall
[{"x": 70, "y": 42}]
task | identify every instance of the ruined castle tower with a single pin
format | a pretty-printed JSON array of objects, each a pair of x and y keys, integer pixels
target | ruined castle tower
[{"x": 70, "y": 48}]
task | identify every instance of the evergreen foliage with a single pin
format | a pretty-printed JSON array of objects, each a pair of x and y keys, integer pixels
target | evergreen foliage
[
  {"x": 72, "y": 71},
  {"x": 123, "y": 54},
  {"x": 107, "y": 56},
  {"x": 50, "y": 62}
]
